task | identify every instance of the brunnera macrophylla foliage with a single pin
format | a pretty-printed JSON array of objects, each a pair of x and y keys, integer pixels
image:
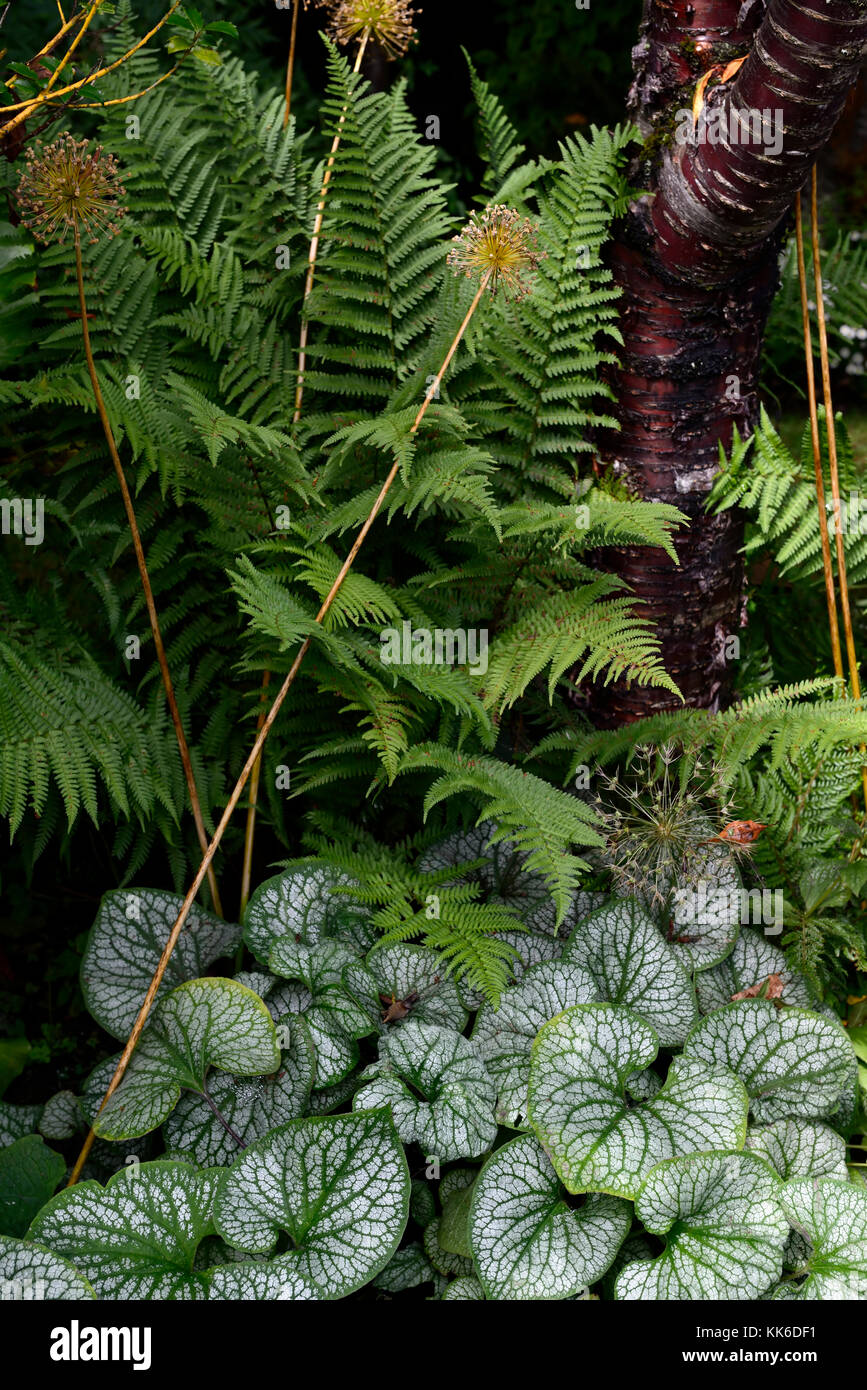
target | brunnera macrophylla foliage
[{"x": 348, "y": 1116}]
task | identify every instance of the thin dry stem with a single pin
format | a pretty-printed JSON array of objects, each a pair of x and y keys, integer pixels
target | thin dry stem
[
  {"x": 290, "y": 66},
  {"x": 250, "y": 832},
  {"x": 830, "y": 594},
  {"x": 832, "y": 460}
]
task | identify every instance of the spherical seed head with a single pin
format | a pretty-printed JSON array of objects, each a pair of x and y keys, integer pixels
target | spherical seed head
[
  {"x": 67, "y": 184},
  {"x": 500, "y": 243},
  {"x": 388, "y": 22}
]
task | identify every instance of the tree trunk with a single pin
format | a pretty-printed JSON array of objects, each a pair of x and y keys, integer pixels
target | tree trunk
[{"x": 696, "y": 259}]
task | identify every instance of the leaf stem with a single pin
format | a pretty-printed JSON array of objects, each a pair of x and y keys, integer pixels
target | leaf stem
[{"x": 223, "y": 1121}]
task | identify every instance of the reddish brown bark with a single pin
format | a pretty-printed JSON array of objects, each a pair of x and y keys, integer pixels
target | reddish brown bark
[{"x": 696, "y": 259}]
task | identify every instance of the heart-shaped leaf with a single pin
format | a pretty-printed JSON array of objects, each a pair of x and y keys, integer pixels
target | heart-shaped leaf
[
  {"x": 706, "y": 913},
  {"x": 505, "y": 1035},
  {"x": 832, "y": 1218},
  {"x": 792, "y": 1062},
  {"x": 307, "y": 903},
  {"x": 753, "y": 961},
  {"x": 455, "y": 1116},
  {"x": 725, "y": 1227},
  {"x": 30, "y": 1273},
  {"x": 406, "y": 1270},
  {"x": 338, "y": 1186},
  {"x": 632, "y": 965},
  {"x": 202, "y": 1024},
  {"x": 580, "y": 1065},
  {"x": 16, "y": 1121},
  {"x": 29, "y": 1174},
  {"x": 444, "y": 1261},
  {"x": 528, "y": 1242},
  {"x": 399, "y": 981},
  {"x": 61, "y": 1116},
  {"x": 502, "y": 874},
  {"x": 335, "y": 1021},
  {"x": 465, "y": 1289},
  {"x": 800, "y": 1149},
  {"x": 249, "y": 1106},
  {"x": 125, "y": 945},
  {"x": 137, "y": 1237}
]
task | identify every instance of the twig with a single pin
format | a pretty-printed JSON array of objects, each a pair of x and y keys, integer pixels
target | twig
[
  {"x": 832, "y": 462},
  {"x": 817, "y": 448},
  {"x": 260, "y": 742},
  {"x": 250, "y": 832},
  {"x": 290, "y": 66}
]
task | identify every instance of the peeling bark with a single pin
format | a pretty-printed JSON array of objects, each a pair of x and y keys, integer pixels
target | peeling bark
[{"x": 696, "y": 259}]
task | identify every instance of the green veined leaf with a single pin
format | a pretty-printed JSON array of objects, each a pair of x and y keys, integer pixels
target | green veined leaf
[
  {"x": 304, "y": 903},
  {"x": 406, "y": 1269},
  {"x": 632, "y": 965},
  {"x": 31, "y": 1273},
  {"x": 338, "y": 1186},
  {"x": 202, "y": 1024},
  {"x": 528, "y": 1243},
  {"x": 455, "y": 1116},
  {"x": 832, "y": 1217},
  {"x": 800, "y": 1149},
  {"x": 725, "y": 1227},
  {"x": 579, "y": 1069},
  {"x": 792, "y": 1062},
  {"x": 250, "y": 1106},
  {"x": 125, "y": 945},
  {"x": 400, "y": 971},
  {"x": 335, "y": 1021},
  {"x": 504, "y": 1036},
  {"x": 135, "y": 1238},
  {"x": 753, "y": 958}
]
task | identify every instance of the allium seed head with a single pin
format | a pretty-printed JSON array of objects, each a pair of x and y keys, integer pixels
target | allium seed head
[
  {"x": 65, "y": 185},
  {"x": 501, "y": 243},
  {"x": 389, "y": 23}
]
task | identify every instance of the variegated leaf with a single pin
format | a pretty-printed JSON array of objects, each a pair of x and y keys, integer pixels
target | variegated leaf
[
  {"x": 831, "y": 1216},
  {"x": 307, "y": 904},
  {"x": 250, "y": 1106},
  {"x": 136, "y": 1238},
  {"x": 438, "y": 1088},
  {"x": 30, "y": 1273},
  {"x": 202, "y": 1024},
  {"x": 579, "y": 1069},
  {"x": 338, "y": 1186},
  {"x": 505, "y": 1035},
  {"x": 335, "y": 1021},
  {"x": 793, "y": 1063},
  {"x": 632, "y": 965},
  {"x": 124, "y": 947},
  {"x": 725, "y": 1227},
  {"x": 752, "y": 960},
  {"x": 528, "y": 1243}
]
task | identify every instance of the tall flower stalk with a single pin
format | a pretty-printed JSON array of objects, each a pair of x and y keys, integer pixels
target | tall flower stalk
[
  {"x": 499, "y": 249},
  {"x": 68, "y": 187}
]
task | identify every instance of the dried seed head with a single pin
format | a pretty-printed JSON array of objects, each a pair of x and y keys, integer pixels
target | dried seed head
[
  {"x": 388, "y": 22},
  {"x": 67, "y": 185},
  {"x": 501, "y": 243}
]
